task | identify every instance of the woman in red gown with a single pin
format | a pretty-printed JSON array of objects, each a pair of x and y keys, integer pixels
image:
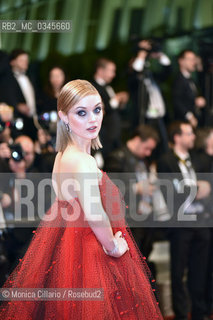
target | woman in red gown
[{"x": 82, "y": 241}]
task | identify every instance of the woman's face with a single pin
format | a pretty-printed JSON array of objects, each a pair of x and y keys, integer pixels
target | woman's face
[
  {"x": 85, "y": 117},
  {"x": 57, "y": 77}
]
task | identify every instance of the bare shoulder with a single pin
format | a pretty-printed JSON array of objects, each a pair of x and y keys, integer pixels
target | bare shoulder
[{"x": 76, "y": 161}]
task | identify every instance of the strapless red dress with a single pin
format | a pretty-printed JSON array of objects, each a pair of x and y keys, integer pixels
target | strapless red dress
[{"x": 63, "y": 254}]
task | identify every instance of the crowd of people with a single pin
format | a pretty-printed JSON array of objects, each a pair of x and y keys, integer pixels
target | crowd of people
[{"x": 179, "y": 151}]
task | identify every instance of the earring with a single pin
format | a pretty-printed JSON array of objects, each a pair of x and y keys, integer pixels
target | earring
[{"x": 68, "y": 127}]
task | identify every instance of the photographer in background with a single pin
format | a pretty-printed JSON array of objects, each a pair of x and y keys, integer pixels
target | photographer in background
[
  {"x": 6, "y": 128},
  {"x": 6, "y": 122},
  {"x": 18, "y": 236},
  {"x": 27, "y": 152},
  {"x": 19, "y": 91},
  {"x": 17, "y": 160},
  {"x": 39, "y": 157},
  {"x": 148, "y": 103},
  {"x": 6, "y": 117},
  {"x": 130, "y": 165},
  {"x": 22, "y": 163}
]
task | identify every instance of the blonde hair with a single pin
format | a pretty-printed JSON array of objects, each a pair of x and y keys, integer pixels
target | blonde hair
[{"x": 70, "y": 94}]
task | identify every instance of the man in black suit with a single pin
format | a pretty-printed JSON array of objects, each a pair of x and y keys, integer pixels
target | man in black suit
[
  {"x": 189, "y": 242},
  {"x": 187, "y": 103},
  {"x": 130, "y": 165},
  {"x": 204, "y": 163},
  {"x": 4, "y": 69},
  {"x": 18, "y": 91},
  {"x": 110, "y": 134},
  {"x": 148, "y": 103}
]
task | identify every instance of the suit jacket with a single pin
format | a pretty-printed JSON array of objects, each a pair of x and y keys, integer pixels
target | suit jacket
[
  {"x": 121, "y": 165},
  {"x": 111, "y": 119},
  {"x": 104, "y": 96},
  {"x": 4, "y": 64},
  {"x": 11, "y": 93},
  {"x": 183, "y": 95},
  {"x": 110, "y": 134},
  {"x": 168, "y": 170}
]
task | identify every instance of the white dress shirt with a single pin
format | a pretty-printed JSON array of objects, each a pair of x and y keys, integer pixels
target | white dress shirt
[
  {"x": 27, "y": 91},
  {"x": 156, "y": 106},
  {"x": 114, "y": 103},
  {"x": 190, "y": 180}
]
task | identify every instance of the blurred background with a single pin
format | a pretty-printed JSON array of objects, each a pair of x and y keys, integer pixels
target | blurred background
[{"x": 109, "y": 29}]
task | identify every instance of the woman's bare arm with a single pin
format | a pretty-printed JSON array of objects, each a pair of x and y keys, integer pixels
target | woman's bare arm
[{"x": 85, "y": 176}]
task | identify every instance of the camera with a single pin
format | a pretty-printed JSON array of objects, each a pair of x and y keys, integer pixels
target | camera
[
  {"x": 155, "y": 47},
  {"x": 17, "y": 153},
  {"x": 2, "y": 125},
  {"x": 48, "y": 121},
  {"x": 47, "y": 118},
  {"x": 6, "y": 116},
  {"x": 17, "y": 124}
]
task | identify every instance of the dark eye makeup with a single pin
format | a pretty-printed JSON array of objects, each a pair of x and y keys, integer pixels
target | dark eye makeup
[{"x": 82, "y": 112}]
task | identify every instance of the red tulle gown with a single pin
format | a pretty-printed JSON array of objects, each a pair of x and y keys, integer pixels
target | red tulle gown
[{"x": 67, "y": 255}]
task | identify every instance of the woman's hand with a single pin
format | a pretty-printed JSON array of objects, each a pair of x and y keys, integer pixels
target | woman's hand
[
  {"x": 121, "y": 246},
  {"x": 4, "y": 150}
]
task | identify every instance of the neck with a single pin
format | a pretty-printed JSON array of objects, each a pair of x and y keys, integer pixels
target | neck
[
  {"x": 180, "y": 149},
  {"x": 99, "y": 79},
  {"x": 56, "y": 92},
  {"x": 81, "y": 144},
  {"x": 15, "y": 69},
  {"x": 185, "y": 72}
]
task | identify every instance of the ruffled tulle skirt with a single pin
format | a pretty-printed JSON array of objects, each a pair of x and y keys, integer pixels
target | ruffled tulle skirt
[{"x": 72, "y": 257}]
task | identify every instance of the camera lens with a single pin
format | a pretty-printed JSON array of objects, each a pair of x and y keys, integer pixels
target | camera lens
[
  {"x": 16, "y": 152},
  {"x": 15, "y": 155},
  {"x": 19, "y": 124},
  {"x": 2, "y": 126},
  {"x": 46, "y": 116}
]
